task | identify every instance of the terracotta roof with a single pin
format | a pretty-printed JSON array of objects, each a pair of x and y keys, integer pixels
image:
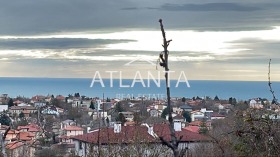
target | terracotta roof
[
  {"x": 30, "y": 127},
  {"x": 14, "y": 145},
  {"x": 73, "y": 128},
  {"x": 129, "y": 123},
  {"x": 178, "y": 117},
  {"x": 198, "y": 123},
  {"x": 128, "y": 134},
  {"x": 25, "y": 136},
  {"x": 195, "y": 123},
  {"x": 13, "y": 132},
  {"x": 192, "y": 128},
  {"x": 162, "y": 130}
]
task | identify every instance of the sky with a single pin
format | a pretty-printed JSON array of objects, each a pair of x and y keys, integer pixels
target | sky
[{"x": 211, "y": 39}]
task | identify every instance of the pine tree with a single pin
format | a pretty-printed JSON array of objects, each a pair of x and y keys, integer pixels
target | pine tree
[
  {"x": 11, "y": 102},
  {"x": 92, "y": 105}
]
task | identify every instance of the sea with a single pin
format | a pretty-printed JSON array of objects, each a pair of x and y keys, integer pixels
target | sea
[{"x": 128, "y": 88}]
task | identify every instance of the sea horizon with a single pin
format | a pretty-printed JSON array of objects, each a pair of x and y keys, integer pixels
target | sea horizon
[{"x": 224, "y": 89}]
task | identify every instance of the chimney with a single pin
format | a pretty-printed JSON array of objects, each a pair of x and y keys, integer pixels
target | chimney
[
  {"x": 177, "y": 125},
  {"x": 151, "y": 130},
  {"x": 117, "y": 127}
]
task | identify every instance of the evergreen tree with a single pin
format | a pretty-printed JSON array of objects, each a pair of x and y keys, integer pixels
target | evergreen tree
[
  {"x": 119, "y": 107},
  {"x": 165, "y": 112},
  {"x": 121, "y": 118},
  {"x": 108, "y": 100},
  {"x": 203, "y": 127},
  {"x": 92, "y": 105},
  {"x": 107, "y": 121},
  {"x": 187, "y": 116},
  {"x": 21, "y": 115},
  {"x": 11, "y": 102},
  {"x": 183, "y": 99},
  {"x": 216, "y": 98},
  {"x": 4, "y": 119},
  {"x": 230, "y": 100}
]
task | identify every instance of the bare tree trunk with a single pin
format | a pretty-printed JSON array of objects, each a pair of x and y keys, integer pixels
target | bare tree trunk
[{"x": 173, "y": 145}]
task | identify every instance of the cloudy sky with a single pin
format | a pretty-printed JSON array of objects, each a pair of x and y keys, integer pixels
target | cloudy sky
[{"x": 211, "y": 39}]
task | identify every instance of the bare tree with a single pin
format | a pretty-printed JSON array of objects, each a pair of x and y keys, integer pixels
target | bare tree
[
  {"x": 163, "y": 58},
  {"x": 269, "y": 84}
]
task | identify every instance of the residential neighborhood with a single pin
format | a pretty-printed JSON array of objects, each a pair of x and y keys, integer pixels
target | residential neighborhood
[{"x": 77, "y": 125}]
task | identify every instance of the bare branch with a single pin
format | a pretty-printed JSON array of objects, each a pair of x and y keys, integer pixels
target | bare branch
[{"x": 269, "y": 84}]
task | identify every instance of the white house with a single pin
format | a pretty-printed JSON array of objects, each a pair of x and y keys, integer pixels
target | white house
[
  {"x": 196, "y": 115},
  {"x": 70, "y": 131}
]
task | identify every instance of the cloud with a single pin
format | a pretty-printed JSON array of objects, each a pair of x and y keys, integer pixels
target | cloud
[
  {"x": 130, "y": 8},
  {"x": 56, "y": 43},
  {"x": 208, "y": 7}
]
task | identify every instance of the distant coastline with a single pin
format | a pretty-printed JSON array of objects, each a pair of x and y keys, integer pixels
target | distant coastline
[{"x": 30, "y": 86}]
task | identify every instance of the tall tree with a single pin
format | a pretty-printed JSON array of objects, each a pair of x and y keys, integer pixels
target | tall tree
[
  {"x": 203, "y": 127},
  {"x": 183, "y": 99},
  {"x": 163, "y": 57},
  {"x": 10, "y": 102},
  {"x": 119, "y": 107},
  {"x": 121, "y": 118},
  {"x": 21, "y": 115},
  {"x": 5, "y": 119},
  {"x": 92, "y": 105},
  {"x": 216, "y": 98},
  {"x": 187, "y": 116}
]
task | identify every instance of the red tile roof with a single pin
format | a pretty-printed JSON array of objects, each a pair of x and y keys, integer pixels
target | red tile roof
[
  {"x": 162, "y": 130},
  {"x": 192, "y": 128},
  {"x": 73, "y": 128},
  {"x": 128, "y": 134},
  {"x": 14, "y": 145},
  {"x": 30, "y": 128},
  {"x": 25, "y": 136}
]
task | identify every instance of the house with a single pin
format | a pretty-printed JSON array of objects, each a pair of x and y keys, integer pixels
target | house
[
  {"x": 60, "y": 98},
  {"x": 186, "y": 107},
  {"x": 25, "y": 136},
  {"x": 113, "y": 137},
  {"x": 33, "y": 128},
  {"x": 192, "y": 128},
  {"x": 38, "y": 98},
  {"x": 256, "y": 103},
  {"x": 143, "y": 138},
  {"x": 15, "y": 149},
  {"x": 66, "y": 123},
  {"x": 3, "y": 128},
  {"x": 179, "y": 118},
  {"x": 76, "y": 103},
  {"x": 197, "y": 115},
  {"x": 12, "y": 134},
  {"x": 128, "y": 115},
  {"x": 154, "y": 113},
  {"x": 70, "y": 131},
  {"x": 160, "y": 107},
  {"x": 19, "y": 109},
  {"x": 40, "y": 104},
  {"x": 217, "y": 116}
]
